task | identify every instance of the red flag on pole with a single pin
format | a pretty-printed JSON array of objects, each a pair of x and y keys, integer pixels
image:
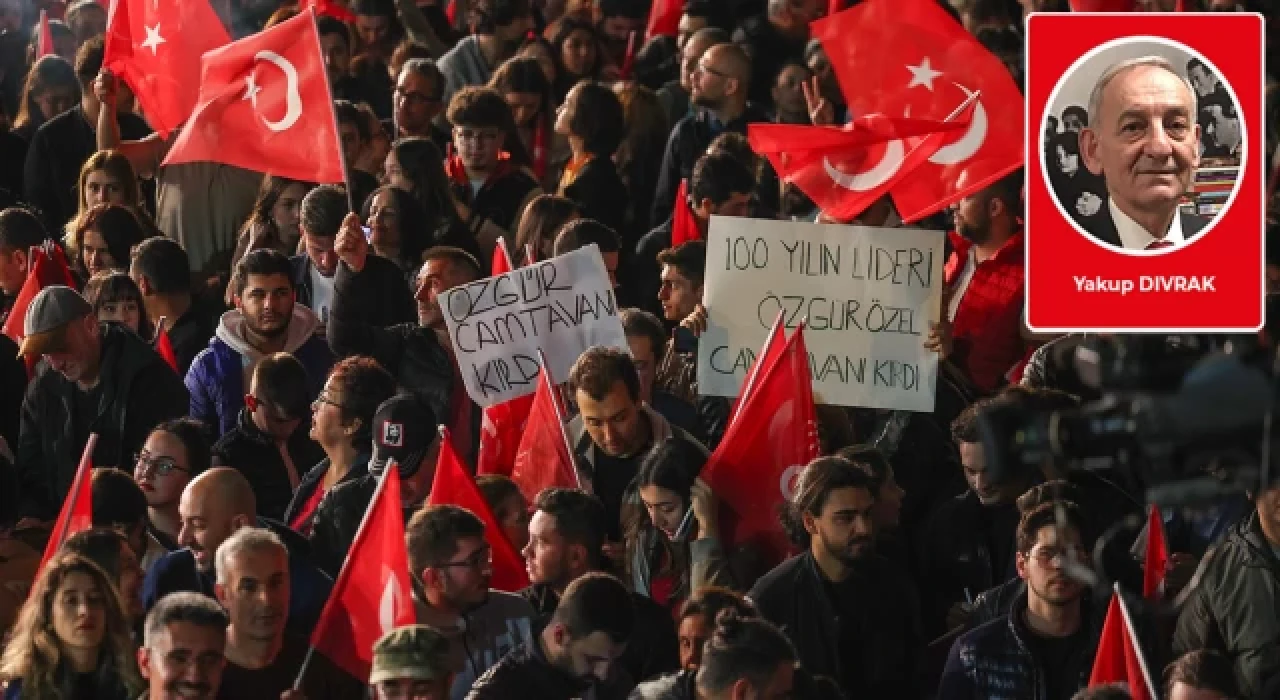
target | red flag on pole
[
  {"x": 910, "y": 58},
  {"x": 1119, "y": 657},
  {"x": 165, "y": 348},
  {"x": 684, "y": 225},
  {"x": 331, "y": 8},
  {"x": 156, "y": 49},
  {"x": 664, "y": 18},
  {"x": 771, "y": 438},
  {"x": 846, "y": 169},
  {"x": 1157, "y": 557},
  {"x": 44, "y": 44},
  {"x": 372, "y": 594},
  {"x": 774, "y": 343},
  {"x": 453, "y": 485},
  {"x": 77, "y": 508},
  {"x": 46, "y": 266},
  {"x": 501, "y": 425},
  {"x": 544, "y": 458},
  {"x": 629, "y": 58},
  {"x": 264, "y": 102}
]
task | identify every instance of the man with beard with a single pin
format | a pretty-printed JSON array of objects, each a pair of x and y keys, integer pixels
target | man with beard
[
  {"x": 820, "y": 597},
  {"x": 419, "y": 355},
  {"x": 565, "y": 539},
  {"x": 498, "y": 28},
  {"x": 265, "y": 321},
  {"x": 982, "y": 332},
  {"x": 182, "y": 649},
  {"x": 262, "y": 659},
  {"x": 575, "y": 655},
  {"x": 1044, "y": 647},
  {"x": 450, "y": 558}
]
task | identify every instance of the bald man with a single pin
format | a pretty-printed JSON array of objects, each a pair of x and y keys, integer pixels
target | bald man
[
  {"x": 1144, "y": 140},
  {"x": 213, "y": 507},
  {"x": 719, "y": 90}
]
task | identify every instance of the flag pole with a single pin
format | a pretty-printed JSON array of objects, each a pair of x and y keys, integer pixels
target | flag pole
[
  {"x": 511, "y": 260},
  {"x": 755, "y": 369},
  {"x": 345, "y": 572},
  {"x": 560, "y": 418},
  {"x": 1133, "y": 640},
  {"x": 333, "y": 110},
  {"x": 529, "y": 257}
]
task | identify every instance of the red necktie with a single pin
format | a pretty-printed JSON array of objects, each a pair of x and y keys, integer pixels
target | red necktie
[{"x": 1157, "y": 245}]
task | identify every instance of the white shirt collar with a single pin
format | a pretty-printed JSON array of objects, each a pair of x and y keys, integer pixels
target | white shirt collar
[{"x": 1134, "y": 237}]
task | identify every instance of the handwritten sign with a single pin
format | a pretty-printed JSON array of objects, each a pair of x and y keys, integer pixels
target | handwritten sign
[
  {"x": 868, "y": 294},
  {"x": 562, "y": 306}
]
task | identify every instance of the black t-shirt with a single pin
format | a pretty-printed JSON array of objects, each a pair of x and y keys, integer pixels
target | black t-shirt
[
  {"x": 844, "y": 597},
  {"x": 1057, "y": 658},
  {"x": 323, "y": 680},
  {"x": 612, "y": 477}
]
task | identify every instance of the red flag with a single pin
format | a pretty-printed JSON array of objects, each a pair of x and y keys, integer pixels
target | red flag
[
  {"x": 331, "y": 8},
  {"x": 771, "y": 438},
  {"x": 664, "y": 18},
  {"x": 846, "y": 169},
  {"x": 910, "y": 58},
  {"x": 1102, "y": 5},
  {"x": 544, "y": 458},
  {"x": 1119, "y": 658},
  {"x": 834, "y": 6},
  {"x": 372, "y": 594},
  {"x": 46, "y": 266},
  {"x": 453, "y": 485},
  {"x": 1157, "y": 558},
  {"x": 629, "y": 58},
  {"x": 501, "y": 425},
  {"x": 77, "y": 509},
  {"x": 684, "y": 225},
  {"x": 156, "y": 48},
  {"x": 44, "y": 45},
  {"x": 165, "y": 348},
  {"x": 774, "y": 343},
  {"x": 264, "y": 104}
]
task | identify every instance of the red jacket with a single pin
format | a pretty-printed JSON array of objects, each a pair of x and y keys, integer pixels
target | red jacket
[{"x": 987, "y": 327}]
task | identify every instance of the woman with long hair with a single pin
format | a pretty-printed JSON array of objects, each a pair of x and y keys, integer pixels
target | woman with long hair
[
  {"x": 639, "y": 156},
  {"x": 673, "y": 546},
  {"x": 108, "y": 178},
  {"x": 541, "y": 50},
  {"x": 401, "y": 231},
  {"x": 527, "y": 91},
  {"x": 114, "y": 296},
  {"x": 71, "y": 640},
  {"x": 110, "y": 549},
  {"x": 416, "y": 166},
  {"x": 104, "y": 239},
  {"x": 274, "y": 221},
  {"x": 51, "y": 89},
  {"x": 541, "y": 222},
  {"x": 591, "y": 119},
  {"x": 577, "y": 54}
]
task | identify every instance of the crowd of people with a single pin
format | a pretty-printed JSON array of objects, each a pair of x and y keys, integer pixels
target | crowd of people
[{"x": 310, "y": 354}]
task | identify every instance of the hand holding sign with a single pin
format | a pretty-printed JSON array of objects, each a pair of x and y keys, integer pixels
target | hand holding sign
[{"x": 351, "y": 246}]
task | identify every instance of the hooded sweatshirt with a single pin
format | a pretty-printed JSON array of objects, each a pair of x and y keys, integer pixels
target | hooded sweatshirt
[
  {"x": 478, "y": 639},
  {"x": 220, "y": 374}
]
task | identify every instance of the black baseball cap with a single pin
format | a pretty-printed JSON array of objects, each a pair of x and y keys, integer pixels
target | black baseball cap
[{"x": 404, "y": 429}]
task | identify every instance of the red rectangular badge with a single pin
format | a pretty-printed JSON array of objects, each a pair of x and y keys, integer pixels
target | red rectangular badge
[{"x": 1145, "y": 203}]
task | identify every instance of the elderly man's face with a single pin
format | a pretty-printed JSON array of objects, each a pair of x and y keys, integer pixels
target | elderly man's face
[{"x": 1145, "y": 140}]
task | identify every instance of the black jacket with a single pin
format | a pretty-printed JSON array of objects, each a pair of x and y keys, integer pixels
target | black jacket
[
  {"x": 500, "y": 198},
  {"x": 1104, "y": 228},
  {"x": 525, "y": 672},
  {"x": 688, "y": 142},
  {"x": 338, "y": 518},
  {"x": 193, "y": 330},
  {"x": 645, "y": 268},
  {"x": 137, "y": 390},
  {"x": 254, "y": 454},
  {"x": 600, "y": 194},
  {"x": 57, "y": 151},
  {"x": 794, "y": 597},
  {"x": 653, "y": 648},
  {"x": 314, "y": 479},
  {"x": 395, "y": 302}
]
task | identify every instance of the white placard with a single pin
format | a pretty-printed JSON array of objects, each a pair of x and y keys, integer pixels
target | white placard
[
  {"x": 561, "y": 306},
  {"x": 869, "y": 295}
]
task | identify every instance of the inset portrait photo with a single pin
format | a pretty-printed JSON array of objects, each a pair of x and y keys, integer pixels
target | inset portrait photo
[{"x": 1142, "y": 144}]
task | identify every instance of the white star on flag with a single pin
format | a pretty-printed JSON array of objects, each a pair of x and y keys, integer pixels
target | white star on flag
[
  {"x": 153, "y": 39},
  {"x": 923, "y": 74},
  {"x": 251, "y": 90}
]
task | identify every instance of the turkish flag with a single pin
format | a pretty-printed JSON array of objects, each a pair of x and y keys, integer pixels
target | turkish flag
[
  {"x": 544, "y": 458},
  {"x": 44, "y": 45},
  {"x": 1119, "y": 658},
  {"x": 846, "y": 169},
  {"x": 1157, "y": 557},
  {"x": 165, "y": 348},
  {"x": 331, "y": 8},
  {"x": 77, "y": 509},
  {"x": 771, "y": 438},
  {"x": 265, "y": 105},
  {"x": 664, "y": 18},
  {"x": 453, "y": 485},
  {"x": 910, "y": 58},
  {"x": 684, "y": 225},
  {"x": 156, "y": 47},
  {"x": 501, "y": 425},
  {"x": 46, "y": 266},
  {"x": 1102, "y": 6},
  {"x": 372, "y": 594},
  {"x": 774, "y": 343}
]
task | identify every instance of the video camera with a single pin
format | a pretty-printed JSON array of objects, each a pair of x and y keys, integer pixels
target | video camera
[{"x": 1186, "y": 417}]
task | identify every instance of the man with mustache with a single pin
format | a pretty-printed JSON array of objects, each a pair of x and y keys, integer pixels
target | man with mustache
[
  {"x": 182, "y": 649},
  {"x": 263, "y": 660},
  {"x": 1143, "y": 138},
  {"x": 1044, "y": 647},
  {"x": 851, "y": 614},
  {"x": 265, "y": 321}
]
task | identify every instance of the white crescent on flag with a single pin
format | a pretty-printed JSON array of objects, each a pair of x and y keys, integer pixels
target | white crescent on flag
[
  {"x": 387, "y": 606},
  {"x": 293, "y": 98},
  {"x": 894, "y": 152}
]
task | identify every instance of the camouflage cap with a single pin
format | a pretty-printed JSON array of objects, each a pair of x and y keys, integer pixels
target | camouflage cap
[{"x": 413, "y": 651}]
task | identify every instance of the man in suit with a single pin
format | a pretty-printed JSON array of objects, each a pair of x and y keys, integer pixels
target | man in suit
[{"x": 1143, "y": 138}]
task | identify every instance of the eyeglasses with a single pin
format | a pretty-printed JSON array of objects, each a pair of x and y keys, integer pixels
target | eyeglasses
[
  {"x": 161, "y": 466},
  {"x": 415, "y": 98},
  {"x": 480, "y": 135},
  {"x": 480, "y": 558},
  {"x": 324, "y": 398}
]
